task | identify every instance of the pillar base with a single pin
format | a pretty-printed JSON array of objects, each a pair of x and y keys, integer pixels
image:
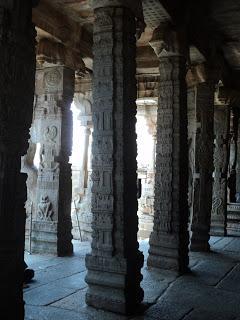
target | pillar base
[
  {"x": 200, "y": 238},
  {"x": 111, "y": 288},
  {"x": 218, "y": 230},
  {"x": 218, "y": 226},
  {"x": 164, "y": 253},
  {"x": 45, "y": 240}
]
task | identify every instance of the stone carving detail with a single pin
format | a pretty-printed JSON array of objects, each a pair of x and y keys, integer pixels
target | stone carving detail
[
  {"x": 203, "y": 167},
  {"x": 114, "y": 203},
  {"x": 51, "y": 131},
  {"x": 221, "y": 153},
  {"x": 50, "y": 134},
  {"x": 45, "y": 211},
  {"x": 169, "y": 239}
]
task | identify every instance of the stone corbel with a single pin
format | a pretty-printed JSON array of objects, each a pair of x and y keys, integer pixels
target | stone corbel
[
  {"x": 167, "y": 41},
  {"x": 56, "y": 53},
  {"x": 134, "y": 5}
]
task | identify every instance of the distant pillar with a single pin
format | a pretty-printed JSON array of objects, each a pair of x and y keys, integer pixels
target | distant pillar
[
  {"x": 221, "y": 156},
  {"x": 202, "y": 180},
  {"x": 51, "y": 228},
  {"x": 169, "y": 239},
  {"x": 238, "y": 165}
]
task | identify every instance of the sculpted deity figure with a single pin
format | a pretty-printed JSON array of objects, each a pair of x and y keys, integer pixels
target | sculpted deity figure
[{"x": 45, "y": 211}]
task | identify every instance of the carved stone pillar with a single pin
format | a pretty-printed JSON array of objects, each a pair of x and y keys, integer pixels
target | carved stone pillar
[
  {"x": 233, "y": 154},
  {"x": 82, "y": 197},
  {"x": 202, "y": 180},
  {"x": 169, "y": 239},
  {"x": 17, "y": 68},
  {"x": 114, "y": 263},
  {"x": 192, "y": 130},
  {"x": 221, "y": 155},
  {"x": 146, "y": 169},
  {"x": 51, "y": 227},
  {"x": 238, "y": 165},
  {"x": 84, "y": 106}
]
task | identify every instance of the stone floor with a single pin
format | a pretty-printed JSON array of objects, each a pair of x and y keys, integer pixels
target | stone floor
[{"x": 210, "y": 292}]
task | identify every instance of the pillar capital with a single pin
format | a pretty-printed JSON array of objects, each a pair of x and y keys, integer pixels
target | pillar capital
[
  {"x": 134, "y": 5},
  {"x": 52, "y": 52},
  {"x": 168, "y": 41}
]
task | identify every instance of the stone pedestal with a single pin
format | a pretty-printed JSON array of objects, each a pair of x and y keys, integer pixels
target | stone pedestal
[
  {"x": 169, "y": 239},
  {"x": 238, "y": 165},
  {"x": 114, "y": 263},
  {"x": 52, "y": 130},
  {"x": 203, "y": 167},
  {"x": 233, "y": 219},
  {"x": 17, "y": 68},
  {"x": 221, "y": 155}
]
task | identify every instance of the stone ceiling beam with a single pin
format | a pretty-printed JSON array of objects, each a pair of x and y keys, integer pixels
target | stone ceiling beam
[{"x": 60, "y": 26}]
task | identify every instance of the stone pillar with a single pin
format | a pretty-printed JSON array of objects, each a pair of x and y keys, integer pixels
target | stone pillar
[
  {"x": 114, "y": 263},
  {"x": 221, "y": 155},
  {"x": 147, "y": 173},
  {"x": 17, "y": 68},
  {"x": 233, "y": 155},
  {"x": 202, "y": 180},
  {"x": 192, "y": 130},
  {"x": 169, "y": 239},
  {"x": 238, "y": 165},
  {"x": 85, "y": 117},
  {"x": 51, "y": 227},
  {"x": 82, "y": 196}
]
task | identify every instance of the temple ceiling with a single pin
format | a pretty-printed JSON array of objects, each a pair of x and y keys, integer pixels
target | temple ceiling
[{"x": 213, "y": 29}]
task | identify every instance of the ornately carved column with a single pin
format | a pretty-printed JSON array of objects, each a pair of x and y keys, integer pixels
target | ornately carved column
[
  {"x": 221, "y": 154},
  {"x": 17, "y": 68},
  {"x": 202, "y": 181},
  {"x": 114, "y": 263},
  {"x": 238, "y": 165},
  {"x": 169, "y": 239},
  {"x": 53, "y": 131}
]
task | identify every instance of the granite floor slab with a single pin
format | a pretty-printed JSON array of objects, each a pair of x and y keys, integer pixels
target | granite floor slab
[{"x": 210, "y": 292}]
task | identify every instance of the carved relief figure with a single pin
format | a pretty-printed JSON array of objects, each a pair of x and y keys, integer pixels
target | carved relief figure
[{"x": 45, "y": 211}]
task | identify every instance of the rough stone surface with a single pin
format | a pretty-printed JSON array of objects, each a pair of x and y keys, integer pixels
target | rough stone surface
[{"x": 211, "y": 291}]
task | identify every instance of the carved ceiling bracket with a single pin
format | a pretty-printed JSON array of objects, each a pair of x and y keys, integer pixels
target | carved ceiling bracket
[
  {"x": 169, "y": 41},
  {"x": 56, "y": 53}
]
